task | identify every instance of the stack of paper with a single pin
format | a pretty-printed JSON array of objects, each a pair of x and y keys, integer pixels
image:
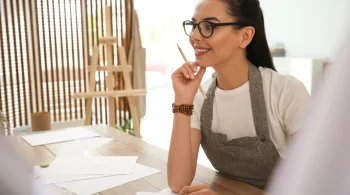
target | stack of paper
[
  {"x": 95, "y": 185},
  {"x": 79, "y": 147},
  {"x": 72, "y": 154},
  {"x": 59, "y": 136},
  {"x": 94, "y": 165},
  {"x": 82, "y": 174},
  {"x": 65, "y": 169}
]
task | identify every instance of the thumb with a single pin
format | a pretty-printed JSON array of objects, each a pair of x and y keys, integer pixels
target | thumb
[{"x": 200, "y": 74}]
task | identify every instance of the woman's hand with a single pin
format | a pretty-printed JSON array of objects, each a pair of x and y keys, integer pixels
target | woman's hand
[
  {"x": 197, "y": 190},
  {"x": 186, "y": 81}
]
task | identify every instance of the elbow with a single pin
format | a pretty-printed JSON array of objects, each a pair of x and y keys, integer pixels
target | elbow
[
  {"x": 176, "y": 184},
  {"x": 179, "y": 177}
]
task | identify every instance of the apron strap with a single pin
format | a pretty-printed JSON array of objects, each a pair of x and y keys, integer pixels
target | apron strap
[
  {"x": 257, "y": 98},
  {"x": 206, "y": 117}
]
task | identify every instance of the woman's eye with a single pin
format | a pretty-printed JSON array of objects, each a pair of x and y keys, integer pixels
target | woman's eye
[{"x": 208, "y": 27}]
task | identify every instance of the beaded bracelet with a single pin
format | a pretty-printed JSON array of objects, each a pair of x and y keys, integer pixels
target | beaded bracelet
[{"x": 183, "y": 109}]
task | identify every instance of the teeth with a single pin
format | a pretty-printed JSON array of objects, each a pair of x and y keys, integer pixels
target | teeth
[{"x": 202, "y": 50}]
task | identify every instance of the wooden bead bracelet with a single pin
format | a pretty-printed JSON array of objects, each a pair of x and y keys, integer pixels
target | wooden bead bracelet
[{"x": 186, "y": 109}]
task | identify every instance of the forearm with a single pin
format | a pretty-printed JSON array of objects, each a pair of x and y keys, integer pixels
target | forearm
[
  {"x": 180, "y": 170},
  {"x": 182, "y": 153}
]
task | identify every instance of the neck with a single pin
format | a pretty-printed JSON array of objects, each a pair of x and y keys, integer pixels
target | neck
[{"x": 233, "y": 73}]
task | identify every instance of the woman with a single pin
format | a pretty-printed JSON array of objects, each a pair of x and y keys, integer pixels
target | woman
[{"x": 250, "y": 112}]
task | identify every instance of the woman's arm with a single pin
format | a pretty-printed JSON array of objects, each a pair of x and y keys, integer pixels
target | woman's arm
[
  {"x": 183, "y": 153},
  {"x": 197, "y": 190},
  {"x": 185, "y": 141}
]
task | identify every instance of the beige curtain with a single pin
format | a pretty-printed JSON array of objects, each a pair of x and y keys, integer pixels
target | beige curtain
[{"x": 137, "y": 57}]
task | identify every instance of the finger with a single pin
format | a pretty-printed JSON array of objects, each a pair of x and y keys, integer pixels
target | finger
[
  {"x": 200, "y": 74},
  {"x": 181, "y": 72},
  {"x": 194, "y": 67},
  {"x": 186, "y": 72},
  {"x": 193, "y": 188},
  {"x": 189, "y": 69}
]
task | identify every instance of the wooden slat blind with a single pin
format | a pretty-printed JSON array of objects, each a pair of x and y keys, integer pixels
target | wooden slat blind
[
  {"x": 45, "y": 46},
  {"x": 15, "y": 80},
  {"x": 61, "y": 57}
]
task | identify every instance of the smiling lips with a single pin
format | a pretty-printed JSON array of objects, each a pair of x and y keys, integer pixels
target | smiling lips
[{"x": 201, "y": 51}]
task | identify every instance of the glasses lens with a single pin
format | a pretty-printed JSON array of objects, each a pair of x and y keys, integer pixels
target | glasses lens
[
  {"x": 206, "y": 29},
  {"x": 189, "y": 27}
]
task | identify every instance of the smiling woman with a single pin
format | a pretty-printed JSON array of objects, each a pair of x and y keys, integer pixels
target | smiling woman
[{"x": 251, "y": 111}]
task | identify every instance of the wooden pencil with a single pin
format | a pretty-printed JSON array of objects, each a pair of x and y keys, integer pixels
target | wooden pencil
[{"x": 184, "y": 57}]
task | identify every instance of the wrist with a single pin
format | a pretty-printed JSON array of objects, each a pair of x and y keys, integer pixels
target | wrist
[{"x": 183, "y": 100}]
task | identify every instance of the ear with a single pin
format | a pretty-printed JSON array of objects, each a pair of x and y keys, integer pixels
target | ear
[{"x": 247, "y": 34}]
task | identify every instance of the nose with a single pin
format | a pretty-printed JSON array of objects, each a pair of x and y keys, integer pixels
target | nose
[{"x": 195, "y": 35}]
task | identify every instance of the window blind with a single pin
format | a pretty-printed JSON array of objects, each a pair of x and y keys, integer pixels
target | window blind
[{"x": 45, "y": 47}]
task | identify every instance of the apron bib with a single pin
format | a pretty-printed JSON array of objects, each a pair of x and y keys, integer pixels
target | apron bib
[{"x": 247, "y": 159}]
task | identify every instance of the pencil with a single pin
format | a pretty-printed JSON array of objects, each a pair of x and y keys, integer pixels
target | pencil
[{"x": 184, "y": 57}]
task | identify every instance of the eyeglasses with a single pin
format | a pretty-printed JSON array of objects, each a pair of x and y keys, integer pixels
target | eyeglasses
[{"x": 206, "y": 28}]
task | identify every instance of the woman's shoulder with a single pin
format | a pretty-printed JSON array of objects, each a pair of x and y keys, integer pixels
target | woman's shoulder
[
  {"x": 281, "y": 82},
  {"x": 274, "y": 83}
]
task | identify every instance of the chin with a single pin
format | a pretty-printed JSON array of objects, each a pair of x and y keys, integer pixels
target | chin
[{"x": 204, "y": 63}]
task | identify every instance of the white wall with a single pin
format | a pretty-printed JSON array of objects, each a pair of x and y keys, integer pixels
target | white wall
[{"x": 308, "y": 28}]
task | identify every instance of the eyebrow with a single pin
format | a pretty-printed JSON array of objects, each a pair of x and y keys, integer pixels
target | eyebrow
[{"x": 207, "y": 19}]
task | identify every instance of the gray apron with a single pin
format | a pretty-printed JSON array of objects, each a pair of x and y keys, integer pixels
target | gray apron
[{"x": 247, "y": 159}]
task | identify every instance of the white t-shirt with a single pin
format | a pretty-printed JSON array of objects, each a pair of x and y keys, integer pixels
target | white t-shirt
[{"x": 286, "y": 99}]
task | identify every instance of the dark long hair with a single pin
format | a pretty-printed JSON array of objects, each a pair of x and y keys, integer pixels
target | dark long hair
[{"x": 249, "y": 13}]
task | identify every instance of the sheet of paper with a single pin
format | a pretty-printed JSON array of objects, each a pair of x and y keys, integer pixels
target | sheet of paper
[
  {"x": 166, "y": 191},
  {"x": 59, "y": 136},
  {"x": 92, "y": 165},
  {"x": 91, "y": 186},
  {"x": 78, "y": 147},
  {"x": 52, "y": 179},
  {"x": 47, "y": 177}
]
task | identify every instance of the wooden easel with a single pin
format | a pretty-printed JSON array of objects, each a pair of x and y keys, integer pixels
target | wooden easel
[{"x": 108, "y": 41}]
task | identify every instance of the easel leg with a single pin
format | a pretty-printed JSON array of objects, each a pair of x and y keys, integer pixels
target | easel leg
[
  {"x": 88, "y": 113},
  {"x": 92, "y": 84},
  {"x": 135, "y": 115},
  {"x": 112, "y": 118}
]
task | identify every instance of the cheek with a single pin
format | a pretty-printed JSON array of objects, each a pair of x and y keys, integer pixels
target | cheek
[
  {"x": 223, "y": 46},
  {"x": 191, "y": 41}
]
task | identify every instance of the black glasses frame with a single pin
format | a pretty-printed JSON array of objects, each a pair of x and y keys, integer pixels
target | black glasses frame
[{"x": 213, "y": 25}]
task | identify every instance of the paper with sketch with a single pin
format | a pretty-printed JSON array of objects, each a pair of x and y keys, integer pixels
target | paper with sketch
[
  {"x": 166, "y": 191},
  {"x": 91, "y": 186},
  {"x": 93, "y": 165},
  {"x": 78, "y": 147},
  {"x": 59, "y": 136}
]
